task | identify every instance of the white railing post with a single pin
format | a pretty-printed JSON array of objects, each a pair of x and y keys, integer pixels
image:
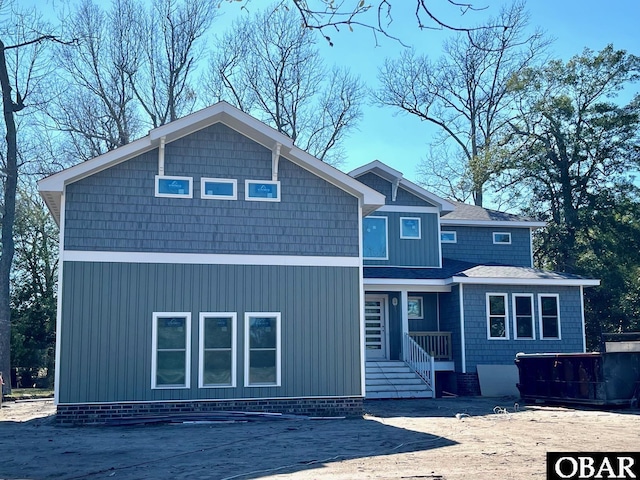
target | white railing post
[{"x": 420, "y": 361}]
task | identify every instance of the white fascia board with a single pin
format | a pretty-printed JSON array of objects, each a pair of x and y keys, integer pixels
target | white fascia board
[
  {"x": 399, "y": 284},
  {"x": 445, "y": 206},
  {"x": 208, "y": 259},
  {"x": 587, "y": 282},
  {"x": 491, "y": 223},
  {"x": 392, "y": 173}
]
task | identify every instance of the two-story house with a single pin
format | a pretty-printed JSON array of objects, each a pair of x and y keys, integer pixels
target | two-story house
[{"x": 213, "y": 265}]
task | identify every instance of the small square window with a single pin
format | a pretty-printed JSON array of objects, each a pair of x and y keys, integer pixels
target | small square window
[
  {"x": 410, "y": 228},
  {"x": 502, "y": 238},
  {"x": 174, "y": 187},
  {"x": 261, "y": 191},
  {"x": 414, "y": 307},
  {"x": 449, "y": 237},
  {"x": 218, "y": 188}
]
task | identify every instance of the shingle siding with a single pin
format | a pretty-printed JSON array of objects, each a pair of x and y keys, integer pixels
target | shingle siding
[
  {"x": 403, "y": 197},
  {"x": 480, "y": 350},
  {"x": 449, "y": 305},
  {"x": 116, "y": 210},
  {"x": 475, "y": 244}
]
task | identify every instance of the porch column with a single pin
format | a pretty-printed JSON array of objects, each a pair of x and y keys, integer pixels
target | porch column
[{"x": 404, "y": 312}]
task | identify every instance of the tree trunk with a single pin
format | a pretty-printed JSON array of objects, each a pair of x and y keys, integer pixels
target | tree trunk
[{"x": 8, "y": 219}]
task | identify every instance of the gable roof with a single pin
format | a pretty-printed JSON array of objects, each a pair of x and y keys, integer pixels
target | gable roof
[
  {"x": 465, "y": 214},
  {"x": 51, "y": 188},
  {"x": 395, "y": 177}
]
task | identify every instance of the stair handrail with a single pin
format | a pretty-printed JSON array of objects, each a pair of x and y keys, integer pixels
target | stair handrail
[{"x": 420, "y": 361}]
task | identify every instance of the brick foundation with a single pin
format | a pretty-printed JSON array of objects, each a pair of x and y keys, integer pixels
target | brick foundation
[
  {"x": 468, "y": 384},
  {"x": 100, "y": 414}
]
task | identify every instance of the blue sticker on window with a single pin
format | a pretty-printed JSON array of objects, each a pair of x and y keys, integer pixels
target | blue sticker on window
[
  {"x": 219, "y": 189},
  {"x": 263, "y": 190},
  {"x": 173, "y": 186}
]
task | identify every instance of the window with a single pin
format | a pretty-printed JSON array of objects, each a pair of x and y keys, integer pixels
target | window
[
  {"x": 549, "y": 316},
  {"x": 217, "y": 350},
  {"x": 171, "y": 350},
  {"x": 262, "y": 349},
  {"x": 415, "y": 307},
  {"x": 218, "y": 188},
  {"x": 374, "y": 238},
  {"x": 449, "y": 237},
  {"x": 410, "y": 228},
  {"x": 523, "y": 316},
  {"x": 502, "y": 238},
  {"x": 261, "y": 191},
  {"x": 174, "y": 187},
  {"x": 497, "y": 325}
]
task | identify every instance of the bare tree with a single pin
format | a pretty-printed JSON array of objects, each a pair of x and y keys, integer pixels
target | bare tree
[
  {"x": 268, "y": 66},
  {"x": 95, "y": 104},
  {"x": 21, "y": 73},
  {"x": 465, "y": 94},
  {"x": 171, "y": 31}
]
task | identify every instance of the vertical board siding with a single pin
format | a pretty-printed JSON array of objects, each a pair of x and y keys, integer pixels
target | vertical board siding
[
  {"x": 116, "y": 210},
  {"x": 403, "y": 252},
  {"x": 475, "y": 244},
  {"x": 106, "y": 344},
  {"x": 482, "y": 351}
]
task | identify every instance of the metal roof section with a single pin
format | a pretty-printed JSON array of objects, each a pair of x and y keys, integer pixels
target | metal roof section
[
  {"x": 52, "y": 187},
  {"x": 472, "y": 215},
  {"x": 458, "y": 272},
  {"x": 397, "y": 179}
]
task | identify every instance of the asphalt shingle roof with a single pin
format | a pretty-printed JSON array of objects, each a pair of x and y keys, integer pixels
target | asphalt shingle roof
[{"x": 464, "y": 211}]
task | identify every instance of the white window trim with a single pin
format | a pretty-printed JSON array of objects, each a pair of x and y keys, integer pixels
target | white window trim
[
  {"x": 386, "y": 239},
  {"x": 506, "y": 315},
  {"x": 172, "y": 195},
  {"x": 515, "y": 317},
  {"x": 420, "y": 300},
  {"x": 231, "y": 181},
  {"x": 501, "y": 233},
  {"x": 247, "y": 317},
  {"x": 234, "y": 343},
  {"x": 557, "y": 297},
  {"x": 154, "y": 350},
  {"x": 419, "y": 228},
  {"x": 261, "y": 199},
  {"x": 455, "y": 236}
]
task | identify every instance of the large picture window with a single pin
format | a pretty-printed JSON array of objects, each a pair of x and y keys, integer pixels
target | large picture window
[
  {"x": 262, "y": 349},
  {"x": 523, "y": 316},
  {"x": 497, "y": 321},
  {"x": 217, "y": 358},
  {"x": 374, "y": 238},
  {"x": 171, "y": 350},
  {"x": 548, "y": 308}
]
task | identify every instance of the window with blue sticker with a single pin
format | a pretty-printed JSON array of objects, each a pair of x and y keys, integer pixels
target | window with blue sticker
[
  {"x": 218, "y": 188},
  {"x": 410, "y": 228},
  {"x": 374, "y": 238},
  {"x": 262, "y": 191},
  {"x": 177, "y": 187}
]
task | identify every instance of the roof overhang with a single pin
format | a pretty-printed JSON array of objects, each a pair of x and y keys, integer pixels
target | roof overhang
[
  {"x": 490, "y": 223},
  {"x": 52, "y": 187},
  {"x": 402, "y": 284},
  {"x": 395, "y": 177},
  {"x": 558, "y": 282}
]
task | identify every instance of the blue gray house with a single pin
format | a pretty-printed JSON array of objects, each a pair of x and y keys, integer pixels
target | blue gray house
[{"x": 213, "y": 265}]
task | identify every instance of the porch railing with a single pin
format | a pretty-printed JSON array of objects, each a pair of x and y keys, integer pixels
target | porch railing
[
  {"x": 436, "y": 344},
  {"x": 420, "y": 361}
]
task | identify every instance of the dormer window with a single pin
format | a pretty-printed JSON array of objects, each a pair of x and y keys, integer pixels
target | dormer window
[{"x": 502, "y": 238}]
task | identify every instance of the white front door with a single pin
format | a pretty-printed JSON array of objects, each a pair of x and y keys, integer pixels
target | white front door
[{"x": 375, "y": 326}]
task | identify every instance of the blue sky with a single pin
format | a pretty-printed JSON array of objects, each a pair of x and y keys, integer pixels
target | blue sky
[{"x": 401, "y": 140}]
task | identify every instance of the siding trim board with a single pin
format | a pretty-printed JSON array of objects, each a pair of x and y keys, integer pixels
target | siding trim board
[
  {"x": 56, "y": 388},
  {"x": 407, "y": 209},
  {"x": 208, "y": 259}
]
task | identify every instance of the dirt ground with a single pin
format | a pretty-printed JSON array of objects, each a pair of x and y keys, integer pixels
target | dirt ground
[{"x": 451, "y": 438}]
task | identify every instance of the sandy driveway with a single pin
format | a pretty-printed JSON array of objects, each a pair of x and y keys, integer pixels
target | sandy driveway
[{"x": 459, "y": 438}]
